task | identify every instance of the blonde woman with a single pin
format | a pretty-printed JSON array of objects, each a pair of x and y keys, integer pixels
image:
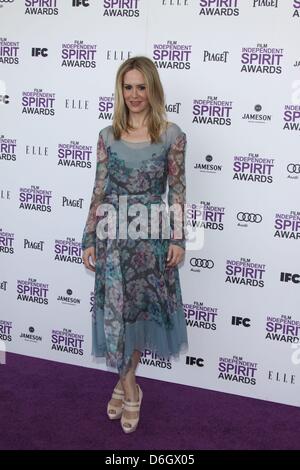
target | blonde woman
[{"x": 138, "y": 303}]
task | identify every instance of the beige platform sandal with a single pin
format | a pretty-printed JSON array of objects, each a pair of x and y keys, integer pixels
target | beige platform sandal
[
  {"x": 113, "y": 411},
  {"x": 130, "y": 424}
]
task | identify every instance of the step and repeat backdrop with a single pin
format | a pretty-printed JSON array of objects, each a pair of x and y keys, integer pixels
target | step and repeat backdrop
[{"x": 230, "y": 70}]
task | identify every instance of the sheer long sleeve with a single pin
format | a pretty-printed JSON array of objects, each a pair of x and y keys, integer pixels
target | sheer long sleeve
[
  {"x": 89, "y": 233},
  {"x": 177, "y": 188}
]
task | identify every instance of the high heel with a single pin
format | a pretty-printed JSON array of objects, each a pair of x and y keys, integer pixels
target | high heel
[
  {"x": 130, "y": 424},
  {"x": 113, "y": 411}
]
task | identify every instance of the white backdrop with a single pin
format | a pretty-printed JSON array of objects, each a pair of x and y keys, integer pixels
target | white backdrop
[{"x": 230, "y": 70}]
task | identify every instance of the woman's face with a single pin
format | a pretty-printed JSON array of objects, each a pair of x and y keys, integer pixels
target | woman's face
[{"x": 135, "y": 91}]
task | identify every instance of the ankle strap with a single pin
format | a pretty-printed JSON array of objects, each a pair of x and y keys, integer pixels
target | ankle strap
[
  {"x": 131, "y": 406},
  {"x": 118, "y": 394}
]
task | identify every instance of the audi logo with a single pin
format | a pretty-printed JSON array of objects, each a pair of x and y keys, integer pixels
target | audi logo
[
  {"x": 6, "y": 1},
  {"x": 293, "y": 168},
  {"x": 248, "y": 217},
  {"x": 202, "y": 263}
]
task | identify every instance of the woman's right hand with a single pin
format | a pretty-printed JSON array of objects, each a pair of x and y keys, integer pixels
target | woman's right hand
[{"x": 89, "y": 255}]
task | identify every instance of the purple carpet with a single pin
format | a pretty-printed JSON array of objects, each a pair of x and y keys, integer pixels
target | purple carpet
[{"x": 48, "y": 405}]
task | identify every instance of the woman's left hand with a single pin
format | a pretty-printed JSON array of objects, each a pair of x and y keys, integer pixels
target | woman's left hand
[{"x": 175, "y": 255}]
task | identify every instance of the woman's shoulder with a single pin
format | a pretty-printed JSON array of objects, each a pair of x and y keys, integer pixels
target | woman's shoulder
[
  {"x": 107, "y": 134},
  {"x": 173, "y": 131}
]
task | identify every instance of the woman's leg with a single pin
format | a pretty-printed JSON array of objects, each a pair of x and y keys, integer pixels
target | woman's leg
[{"x": 128, "y": 382}]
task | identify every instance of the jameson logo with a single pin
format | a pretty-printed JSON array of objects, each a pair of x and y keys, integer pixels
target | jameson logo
[
  {"x": 212, "y": 111},
  {"x": 74, "y": 154},
  {"x": 125, "y": 8},
  {"x": 32, "y": 291},
  {"x": 9, "y": 51},
  {"x": 287, "y": 225},
  {"x": 172, "y": 55},
  {"x": 30, "y": 336},
  {"x": 219, "y": 7},
  {"x": 78, "y": 54},
  {"x": 105, "y": 107},
  {"x": 67, "y": 342},
  {"x": 244, "y": 272},
  {"x": 257, "y": 116},
  {"x": 198, "y": 315},
  {"x": 69, "y": 298},
  {"x": 261, "y": 59},
  {"x": 253, "y": 168},
  {"x": 68, "y": 251},
  {"x": 38, "y": 102},
  {"x": 283, "y": 328},
  {"x": 236, "y": 369},
  {"x": 7, "y": 149},
  {"x": 41, "y": 7},
  {"x": 148, "y": 358}
]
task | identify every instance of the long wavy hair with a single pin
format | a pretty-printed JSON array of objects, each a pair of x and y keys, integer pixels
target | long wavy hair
[{"x": 156, "y": 117}]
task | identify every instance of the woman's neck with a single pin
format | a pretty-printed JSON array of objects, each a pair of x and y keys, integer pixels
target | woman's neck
[{"x": 138, "y": 121}]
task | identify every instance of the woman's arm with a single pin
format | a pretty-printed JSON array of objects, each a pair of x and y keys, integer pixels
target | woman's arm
[
  {"x": 89, "y": 233},
  {"x": 177, "y": 187}
]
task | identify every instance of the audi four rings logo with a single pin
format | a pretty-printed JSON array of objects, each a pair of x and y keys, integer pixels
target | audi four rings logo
[
  {"x": 293, "y": 168},
  {"x": 6, "y": 1},
  {"x": 248, "y": 217},
  {"x": 202, "y": 263}
]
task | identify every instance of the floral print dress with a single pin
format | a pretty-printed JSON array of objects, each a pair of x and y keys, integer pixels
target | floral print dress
[{"x": 138, "y": 301}]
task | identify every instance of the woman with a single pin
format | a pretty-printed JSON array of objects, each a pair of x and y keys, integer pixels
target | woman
[{"x": 138, "y": 301}]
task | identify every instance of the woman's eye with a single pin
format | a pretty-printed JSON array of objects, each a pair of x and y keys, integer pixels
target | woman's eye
[
  {"x": 127, "y": 87},
  {"x": 142, "y": 87}
]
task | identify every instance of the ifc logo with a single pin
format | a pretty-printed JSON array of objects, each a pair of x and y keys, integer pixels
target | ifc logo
[{"x": 191, "y": 361}]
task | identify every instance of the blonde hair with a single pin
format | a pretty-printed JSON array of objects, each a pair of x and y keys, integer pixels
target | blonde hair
[{"x": 156, "y": 118}]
